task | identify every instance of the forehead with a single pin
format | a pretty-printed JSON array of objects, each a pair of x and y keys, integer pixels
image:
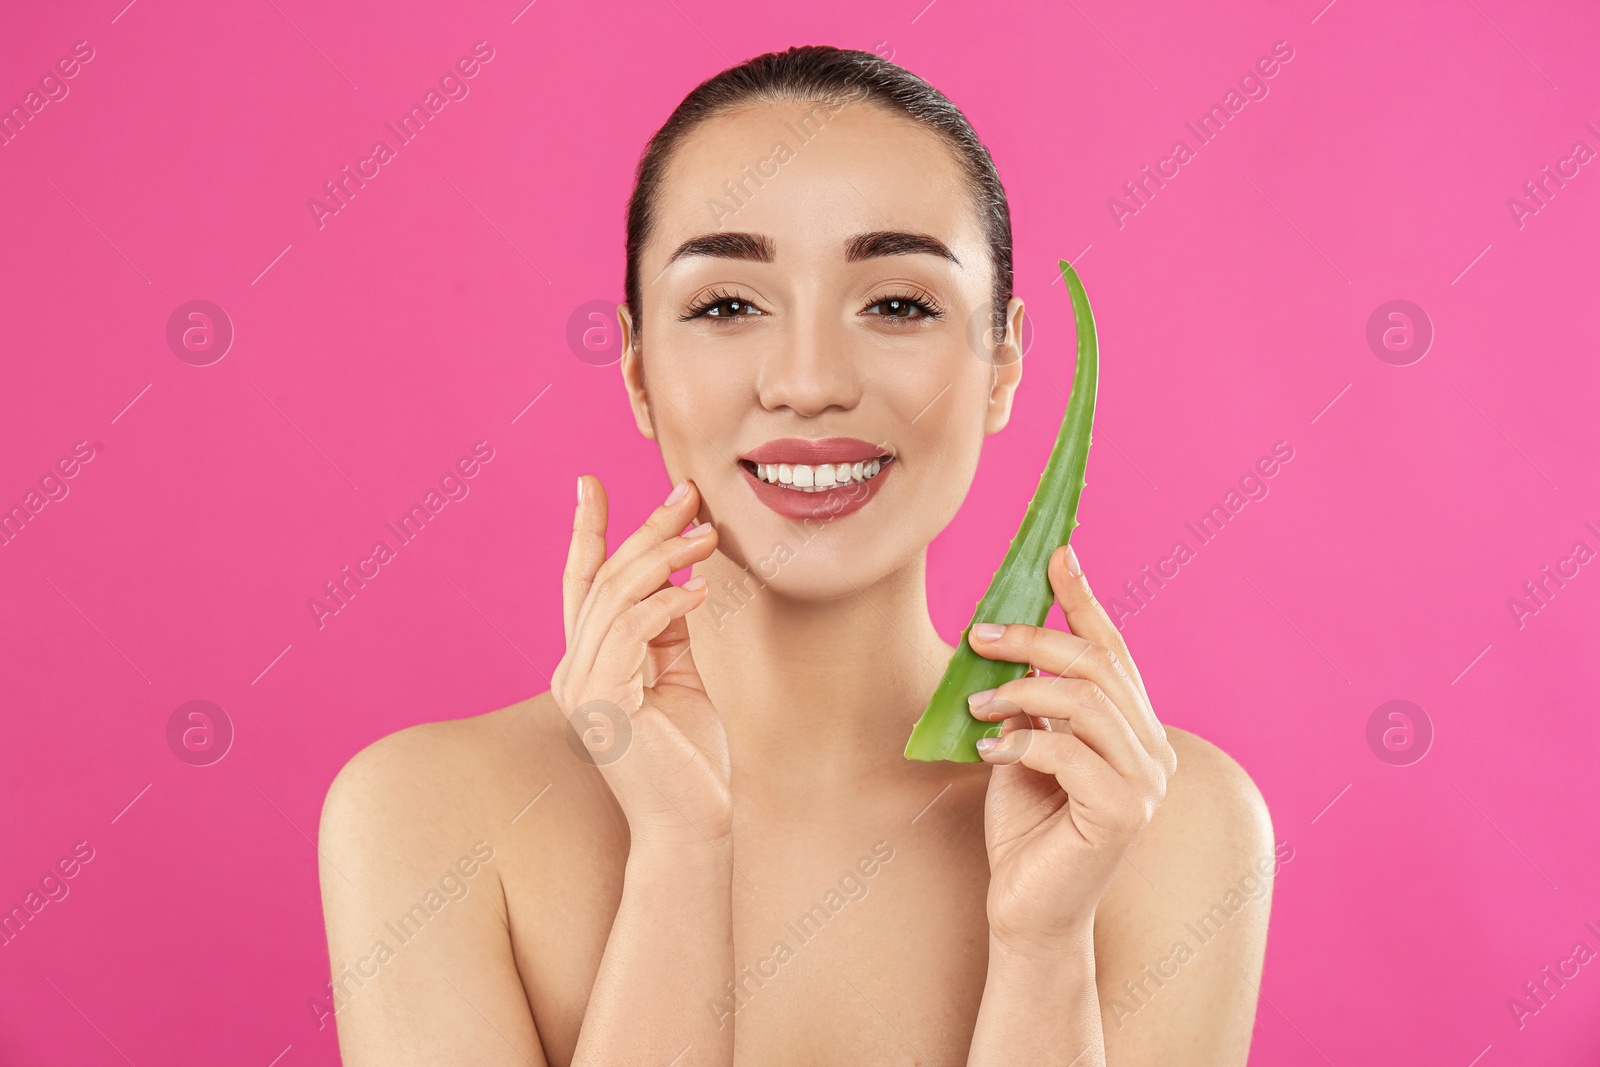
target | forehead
[{"x": 809, "y": 175}]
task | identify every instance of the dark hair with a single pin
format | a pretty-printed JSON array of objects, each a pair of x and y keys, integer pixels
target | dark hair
[{"x": 832, "y": 76}]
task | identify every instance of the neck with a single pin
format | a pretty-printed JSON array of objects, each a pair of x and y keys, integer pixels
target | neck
[{"x": 817, "y": 693}]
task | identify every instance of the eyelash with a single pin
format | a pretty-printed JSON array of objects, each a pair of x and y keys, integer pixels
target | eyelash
[{"x": 930, "y": 308}]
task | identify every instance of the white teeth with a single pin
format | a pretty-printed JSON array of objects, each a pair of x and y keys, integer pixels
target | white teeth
[{"x": 812, "y": 479}]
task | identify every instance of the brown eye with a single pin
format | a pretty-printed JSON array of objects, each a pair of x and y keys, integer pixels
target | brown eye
[
  {"x": 908, "y": 308},
  {"x": 899, "y": 309},
  {"x": 735, "y": 308},
  {"x": 722, "y": 306}
]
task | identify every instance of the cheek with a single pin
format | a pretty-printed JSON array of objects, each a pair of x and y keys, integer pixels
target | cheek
[
  {"x": 696, "y": 415},
  {"x": 938, "y": 415},
  {"x": 943, "y": 447}
]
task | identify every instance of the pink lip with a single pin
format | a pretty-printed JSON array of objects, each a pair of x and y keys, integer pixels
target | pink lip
[
  {"x": 824, "y": 505},
  {"x": 811, "y": 451}
]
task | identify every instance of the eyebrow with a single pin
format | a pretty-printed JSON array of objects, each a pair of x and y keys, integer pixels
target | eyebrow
[{"x": 863, "y": 246}]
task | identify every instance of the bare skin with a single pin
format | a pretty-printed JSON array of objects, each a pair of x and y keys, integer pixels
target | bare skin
[{"x": 750, "y": 872}]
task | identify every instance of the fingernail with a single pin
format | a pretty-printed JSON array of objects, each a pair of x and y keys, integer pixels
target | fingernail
[
  {"x": 699, "y": 529},
  {"x": 695, "y": 583},
  {"x": 580, "y": 488},
  {"x": 989, "y": 631},
  {"x": 1072, "y": 563},
  {"x": 987, "y": 744},
  {"x": 677, "y": 493},
  {"x": 998, "y": 708},
  {"x": 978, "y": 700}
]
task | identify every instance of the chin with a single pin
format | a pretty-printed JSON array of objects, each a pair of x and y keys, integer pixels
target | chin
[
  {"x": 813, "y": 575},
  {"x": 819, "y": 561}
]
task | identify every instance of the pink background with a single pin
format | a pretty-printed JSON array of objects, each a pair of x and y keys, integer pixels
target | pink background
[{"x": 430, "y": 312}]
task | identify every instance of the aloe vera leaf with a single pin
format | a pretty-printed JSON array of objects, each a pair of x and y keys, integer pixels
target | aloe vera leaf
[{"x": 1020, "y": 590}]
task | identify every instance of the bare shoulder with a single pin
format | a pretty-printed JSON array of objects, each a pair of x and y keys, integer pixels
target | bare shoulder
[
  {"x": 1180, "y": 936},
  {"x": 1210, "y": 829},
  {"x": 420, "y": 830},
  {"x": 508, "y": 782},
  {"x": 440, "y": 777},
  {"x": 1211, "y": 801}
]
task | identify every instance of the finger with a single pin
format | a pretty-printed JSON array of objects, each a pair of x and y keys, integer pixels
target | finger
[
  {"x": 666, "y": 521},
  {"x": 1087, "y": 778},
  {"x": 586, "y": 552},
  {"x": 670, "y": 659},
  {"x": 1082, "y": 705},
  {"x": 615, "y": 675},
  {"x": 1086, "y": 617},
  {"x": 1069, "y": 655},
  {"x": 640, "y": 578}
]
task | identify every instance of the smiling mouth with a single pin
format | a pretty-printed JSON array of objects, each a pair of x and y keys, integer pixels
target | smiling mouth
[{"x": 818, "y": 477}]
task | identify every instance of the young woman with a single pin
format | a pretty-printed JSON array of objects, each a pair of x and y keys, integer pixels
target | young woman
[{"x": 703, "y": 845}]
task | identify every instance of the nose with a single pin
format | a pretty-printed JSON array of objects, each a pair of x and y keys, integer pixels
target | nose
[{"x": 810, "y": 368}]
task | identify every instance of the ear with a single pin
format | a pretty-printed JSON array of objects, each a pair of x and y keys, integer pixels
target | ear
[
  {"x": 633, "y": 375},
  {"x": 1006, "y": 361}
]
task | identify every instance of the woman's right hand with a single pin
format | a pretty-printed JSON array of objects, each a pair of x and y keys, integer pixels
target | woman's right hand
[{"x": 628, "y": 665}]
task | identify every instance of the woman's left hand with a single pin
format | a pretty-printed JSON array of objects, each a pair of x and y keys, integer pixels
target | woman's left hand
[{"x": 1081, "y": 767}]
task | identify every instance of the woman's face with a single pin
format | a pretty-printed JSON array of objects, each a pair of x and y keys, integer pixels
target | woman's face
[{"x": 819, "y": 272}]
